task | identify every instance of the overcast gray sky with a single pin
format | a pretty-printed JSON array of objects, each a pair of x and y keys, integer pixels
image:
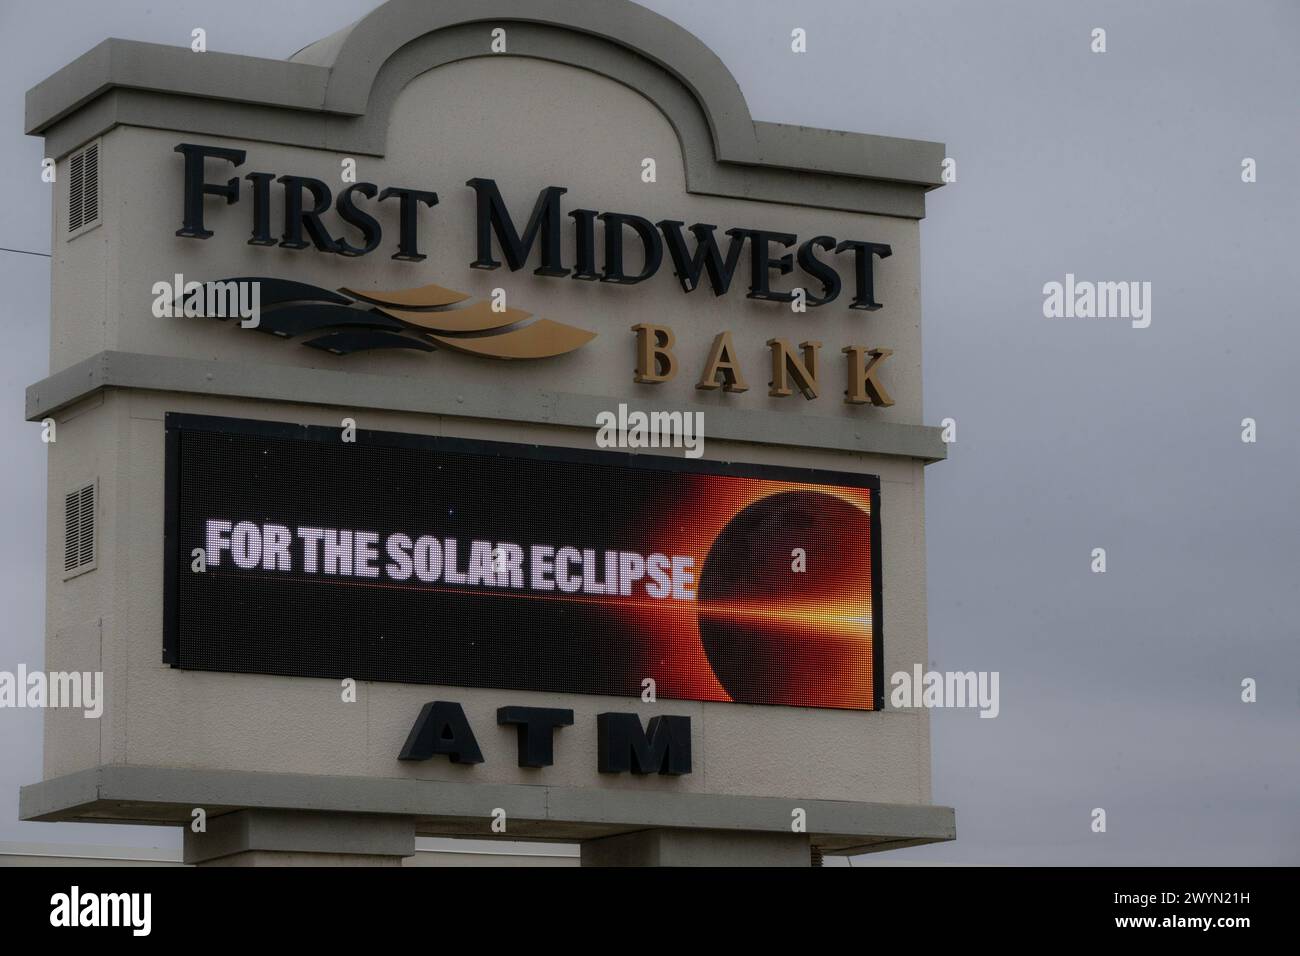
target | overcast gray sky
[{"x": 1118, "y": 690}]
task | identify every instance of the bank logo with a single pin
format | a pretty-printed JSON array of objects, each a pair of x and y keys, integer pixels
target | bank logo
[{"x": 422, "y": 319}]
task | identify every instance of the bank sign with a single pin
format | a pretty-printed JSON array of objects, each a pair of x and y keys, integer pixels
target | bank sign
[
  {"x": 471, "y": 564},
  {"x": 474, "y": 564},
  {"x": 788, "y": 270}
]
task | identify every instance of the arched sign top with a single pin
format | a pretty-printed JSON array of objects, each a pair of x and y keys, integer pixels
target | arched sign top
[
  {"x": 336, "y": 95},
  {"x": 357, "y": 54}
]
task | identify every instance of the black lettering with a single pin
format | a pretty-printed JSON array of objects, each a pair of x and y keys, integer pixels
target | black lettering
[
  {"x": 408, "y": 237},
  {"x": 863, "y": 272},
  {"x": 762, "y": 264},
  {"x": 536, "y": 731},
  {"x": 622, "y": 745},
  {"x": 706, "y": 258},
  {"x": 809, "y": 263},
  {"x": 585, "y": 223},
  {"x": 441, "y": 728},
  {"x": 296, "y": 218},
  {"x": 371, "y": 231},
  {"x": 494, "y": 217},
  {"x": 261, "y": 209},
  {"x": 645, "y": 230},
  {"x": 196, "y": 187}
]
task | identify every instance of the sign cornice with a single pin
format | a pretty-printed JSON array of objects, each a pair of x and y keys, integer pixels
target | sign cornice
[{"x": 337, "y": 78}]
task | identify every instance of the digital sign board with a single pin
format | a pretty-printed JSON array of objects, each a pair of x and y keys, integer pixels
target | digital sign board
[{"x": 315, "y": 552}]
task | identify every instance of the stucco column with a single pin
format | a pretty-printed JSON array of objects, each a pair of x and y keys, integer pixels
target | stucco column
[
  {"x": 301, "y": 838},
  {"x": 664, "y": 847}
]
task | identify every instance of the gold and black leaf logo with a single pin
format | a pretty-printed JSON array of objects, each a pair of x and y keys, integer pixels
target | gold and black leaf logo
[{"x": 423, "y": 319}]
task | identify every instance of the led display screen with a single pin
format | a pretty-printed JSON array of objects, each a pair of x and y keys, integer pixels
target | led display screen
[{"x": 391, "y": 557}]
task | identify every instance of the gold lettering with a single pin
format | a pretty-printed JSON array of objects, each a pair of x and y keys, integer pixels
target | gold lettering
[
  {"x": 655, "y": 362},
  {"x": 722, "y": 359},
  {"x": 863, "y": 386},
  {"x": 786, "y": 366}
]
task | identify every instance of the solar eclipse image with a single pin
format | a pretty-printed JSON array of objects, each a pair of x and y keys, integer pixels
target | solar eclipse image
[
  {"x": 438, "y": 561},
  {"x": 783, "y": 612}
]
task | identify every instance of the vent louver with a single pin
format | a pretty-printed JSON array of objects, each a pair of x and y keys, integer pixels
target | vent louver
[
  {"x": 79, "y": 529},
  {"x": 83, "y": 189}
]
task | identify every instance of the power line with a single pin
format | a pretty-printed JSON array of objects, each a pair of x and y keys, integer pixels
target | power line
[{"x": 25, "y": 252}]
